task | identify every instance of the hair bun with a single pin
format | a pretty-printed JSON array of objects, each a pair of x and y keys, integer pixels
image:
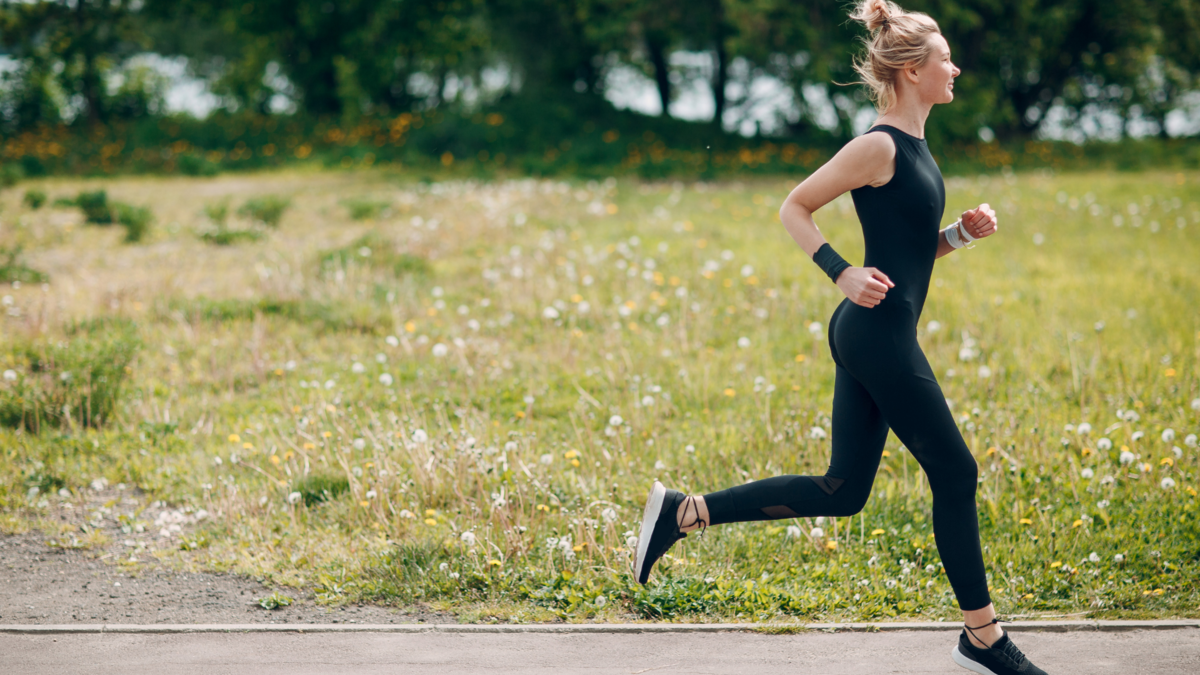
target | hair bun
[{"x": 874, "y": 14}]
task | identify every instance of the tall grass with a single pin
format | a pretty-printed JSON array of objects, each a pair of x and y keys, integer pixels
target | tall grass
[{"x": 481, "y": 435}]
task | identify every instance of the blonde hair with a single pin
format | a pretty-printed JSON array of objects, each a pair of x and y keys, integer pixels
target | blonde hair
[{"x": 899, "y": 40}]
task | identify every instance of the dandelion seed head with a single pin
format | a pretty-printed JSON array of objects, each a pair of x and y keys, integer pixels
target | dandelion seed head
[
  {"x": 546, "y": 458},
  {"x": 816, "y": 533},
  {"x": 1094, "y": 557},
  {"x": 615, "y": 421},
  {"x": 294, "y": 497},
  {"x": 419, "y": 436},
  {"x": 600, "y": 601},
  {"x": 1127, "y": 457},
  {"x": 609, "y": 514},
  {"x": 1083, "y": 429},
  {"x": 1168, "y": 435},
  {"x": 933, "y": 327},
  {"x": 1120, "y": 557},
  {"x": 794, "y": 531},
  {"x": 392, "y": 341},
  {"x": 359, "y": 444},
  {"x": 357, "y": 368},
  {"x": 1167, "y": 483},
  {"x": 440, "y": 350},
  {"x": 815, "y": 328},
  {"x": 817, "y": 434},
  {"x": 985, "y": 372},
  {"x": 385, "y": 379},
  {"x": 10, "y": 375},
  {"x": 371, "y": 494},
  {"x": 1196, "y": 404},
  {"x": 510, "y": 446},
  {"x": 1104, "y": 444},
  {"x": 743, "y": 342},
  {"x": 1087, "y": 473},
  {"x": 1138, "y": 435},
  {"x": 1191, "y": 441},
  {"x": 468, "y": 538}
]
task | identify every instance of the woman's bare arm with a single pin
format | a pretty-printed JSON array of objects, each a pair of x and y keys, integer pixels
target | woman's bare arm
[{"x": 866, "y": 160}]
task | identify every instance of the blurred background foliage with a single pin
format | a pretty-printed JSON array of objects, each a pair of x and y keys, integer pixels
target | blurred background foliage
[{"x": 524, "y": 85}]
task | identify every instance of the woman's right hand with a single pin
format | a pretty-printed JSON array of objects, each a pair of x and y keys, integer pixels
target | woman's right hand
[{"x": 865, "y": 286}]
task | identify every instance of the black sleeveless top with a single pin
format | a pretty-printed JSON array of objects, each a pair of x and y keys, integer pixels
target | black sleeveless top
[{"x": 900, "y": 222}]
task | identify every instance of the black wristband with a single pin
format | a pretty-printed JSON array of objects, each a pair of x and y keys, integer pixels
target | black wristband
[{"x": 829, "y": 260}]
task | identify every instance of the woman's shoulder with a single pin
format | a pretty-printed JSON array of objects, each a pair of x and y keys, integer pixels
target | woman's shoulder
[{"x": 870, "y": 148}]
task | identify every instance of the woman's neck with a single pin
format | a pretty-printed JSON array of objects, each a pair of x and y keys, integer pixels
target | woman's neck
[{"x": 907, "y": 116}]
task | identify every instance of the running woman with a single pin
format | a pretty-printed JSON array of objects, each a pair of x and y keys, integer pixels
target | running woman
[{"x": 882, "y": 377}]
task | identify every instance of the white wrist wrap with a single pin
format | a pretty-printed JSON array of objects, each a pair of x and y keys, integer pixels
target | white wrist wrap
[{"x": 952, "y": 236}]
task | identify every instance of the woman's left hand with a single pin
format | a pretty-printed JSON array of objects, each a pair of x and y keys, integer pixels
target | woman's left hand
[{"x": 979, "y": 222}]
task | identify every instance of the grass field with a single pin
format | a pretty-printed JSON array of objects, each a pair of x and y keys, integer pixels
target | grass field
[{"x": 459, "y": 393}]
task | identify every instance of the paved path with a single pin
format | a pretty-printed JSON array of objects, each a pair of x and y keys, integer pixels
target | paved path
[{"x": 1144, "y": 652}]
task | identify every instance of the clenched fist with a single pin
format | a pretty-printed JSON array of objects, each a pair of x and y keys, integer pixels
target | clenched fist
[
  {"x": 979, "y": 222},
  {"x": 865, "y": 286}
]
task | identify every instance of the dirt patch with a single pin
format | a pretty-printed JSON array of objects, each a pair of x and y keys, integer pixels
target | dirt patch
[{"x": 100, "y": 567}]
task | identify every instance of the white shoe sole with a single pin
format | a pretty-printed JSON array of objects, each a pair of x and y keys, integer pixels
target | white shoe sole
[
  {"x": 653, "y": 508},
  {"x": 967, "y": 663}
]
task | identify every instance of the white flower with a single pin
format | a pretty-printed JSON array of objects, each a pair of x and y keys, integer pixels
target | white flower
[
  {"x": 1190, "y": 440},
  {"x": 405, "y": 513},
  {"x": 794, "y": 531},
  {"x": 631, "y": 542},
  {"x": 609, "y": 514},
  {"x": 891, "y": 583},
  {"x": 295, "y": 498},
  {"x": 1094, "y": 557},
  {"x": 1168, "y": 435},
  {"x": 600, "y": 601},
  {"x": 468, "y": 538},
  {"x": 647, "y": 401},
  {"x": 820, "y": 520},
  {"x": 1102, "y": 504},
  {"x": 815, "y": 328},
  {"x": 419, "y": 436},
  {"x": 371, "y": 494},
  {"x": 550, "y": 313},
  {"x": 546, "y": 458},
  {"x": 933, "y": 327},
  {"x": 359, "y": 444},
  {"x": 218, "y": 460},
  {"x": 1137, "y": 435},
  {"x": 1104, "y": 444},
  {"x": 930, "y": 569},
  {"x": 1196, "y": 404},
  {"x": 659, "y": 466},
  {"x": 10, "y": 375},
  {"x": 743, "y": 342},
  {"x": 985, "y": 372},
  {"x": 1127, "y": 457},
  {"x": 385, "y": 379},
  {"x": 358, "y": 368},
  {"x": 1167, "y": 483},
  {"x": 511, "y": 446},
  {"x": 1120, "y": 557},
  {"x": 1084, "y": 429},
  {"x": 1177, "y": 450},
  {"x": 747, "y": 270},
  {"x": 392, "y": 341},
  {"x": 440, "y": 350},
  {"x": 817, "y": 434},
  {"x": 816, "y": 533},
  {"x": 1086, "y": 473},
  {"x": 615, "y": 421},
  {"x": 1068, "y": 428}
]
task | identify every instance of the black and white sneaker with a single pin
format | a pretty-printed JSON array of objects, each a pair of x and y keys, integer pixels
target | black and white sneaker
[
  {"x": 1002, "y": 658},
  {"x": 660, "y": 529}
]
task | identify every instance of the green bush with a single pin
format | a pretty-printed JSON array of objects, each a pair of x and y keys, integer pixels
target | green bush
[
  {"x": 95, "y": 207},
  {"x": 71, "y": 381},
  {"x": 217, "y": 212},
  {"x": 364, "y": 209},
  {"x": 375, "y": 252},
  {"x": 10, "y": 174},
  {"x": 135, "y": 219},
  {"x": 13, "y": 269},
  {"x": 223, "y": 236},
  {"x": 317, "y": 488},
  {"x": 268, "y": 210},
  {"x": 194, "y": 165},
  {"x": 34, "y": 199}
]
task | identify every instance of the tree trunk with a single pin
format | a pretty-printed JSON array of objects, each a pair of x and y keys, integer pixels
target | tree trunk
[
  {"x": 657, "y": 48},
  {"x": 721, "y": 76}
]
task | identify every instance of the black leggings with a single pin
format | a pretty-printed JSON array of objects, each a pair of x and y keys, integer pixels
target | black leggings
[{"x": 893, "y": 391}]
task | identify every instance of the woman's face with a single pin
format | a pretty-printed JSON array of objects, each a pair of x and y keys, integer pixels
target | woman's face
[{"x": 935, "y": 78}]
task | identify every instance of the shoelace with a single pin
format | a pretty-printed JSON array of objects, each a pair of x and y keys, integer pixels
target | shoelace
[
  {"x": 1010, "y": 650},
  {"x": 691, "y": 501}
]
